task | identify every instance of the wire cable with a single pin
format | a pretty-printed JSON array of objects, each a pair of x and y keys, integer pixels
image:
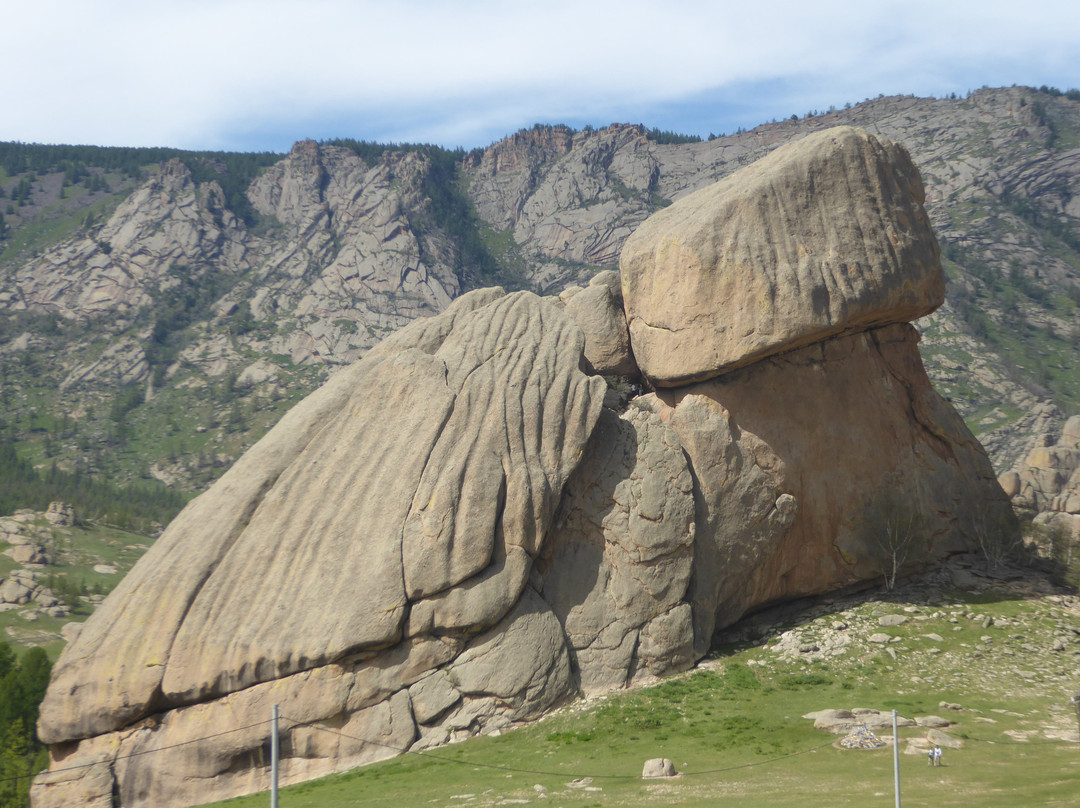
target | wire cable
[
  {"x": 138, "y": 754},
  {"x": 476, "y": 764}
]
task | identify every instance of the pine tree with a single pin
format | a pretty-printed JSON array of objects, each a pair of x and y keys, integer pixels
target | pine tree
[
  {"x": 7, "y": 659},
  {"x": 15, "y": 767},
  {"x": 34, "y": 671}
]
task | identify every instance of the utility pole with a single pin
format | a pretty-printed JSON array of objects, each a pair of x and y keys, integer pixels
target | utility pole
[
  {"x": 274, "y": 757},
  {"x": 896, "y": 758}
]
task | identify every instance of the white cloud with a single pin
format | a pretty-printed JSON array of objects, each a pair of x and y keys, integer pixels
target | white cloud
[{"x": 203, "y": 73}]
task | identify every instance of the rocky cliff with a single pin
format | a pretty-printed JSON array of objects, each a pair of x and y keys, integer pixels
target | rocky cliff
[{"x": 462, "y": 534}]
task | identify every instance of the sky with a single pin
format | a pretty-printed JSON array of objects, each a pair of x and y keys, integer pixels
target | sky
[{"x": 258, "y": 75}]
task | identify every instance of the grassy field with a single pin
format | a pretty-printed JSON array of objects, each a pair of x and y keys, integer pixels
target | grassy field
[{"x": 735, "y": 732}]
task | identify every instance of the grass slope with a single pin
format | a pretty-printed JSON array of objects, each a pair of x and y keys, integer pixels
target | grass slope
[{"x": 735, "y": 731}]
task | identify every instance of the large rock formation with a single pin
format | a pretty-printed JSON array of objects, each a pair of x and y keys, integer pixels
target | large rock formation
[
  {"x": 453, "y": 535},
  {"x": 999, "y": 177},
  {"x": 167, "y": 223},
  {"x": 397, "y": 512},
  {"x": 341, "y": 261}
]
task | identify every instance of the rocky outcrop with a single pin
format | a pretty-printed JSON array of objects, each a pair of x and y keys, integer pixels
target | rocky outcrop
[
  {"x": 824, "y": 236},
  {"x": 460, "y": 537},
  {"x": 60, "y": 514},
  {"x": 1047, "y": 483},
  {"x": 334, "y": 249},
  {"x": 167, "y": 224},
  {"x": 598, "y": 311},
  {"x": 341, "y": 262},
  {"x": 794, "y": 498},
  {"x": 573, "y": 198},
  {"x": 444, "y": 454},
  {"x": 997, "y": 178},
  {"x": 352, "y": 255},
  {"x": 618, "y": 564}
]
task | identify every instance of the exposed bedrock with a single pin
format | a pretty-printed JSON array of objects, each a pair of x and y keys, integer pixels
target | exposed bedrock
[
  {"x": 802, "y": 462},
  {"x": 620, "y": 557},
  {"x": 598, "y": 310},
  {"x": 402, "y": 502},
  {"x": 454, "y": 535}
]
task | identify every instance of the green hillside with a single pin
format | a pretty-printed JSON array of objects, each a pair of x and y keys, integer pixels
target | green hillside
[{"x": 734, "y": 727}]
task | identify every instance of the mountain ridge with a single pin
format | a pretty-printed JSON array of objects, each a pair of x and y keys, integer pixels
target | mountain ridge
[{"x": 216, "y": 321}]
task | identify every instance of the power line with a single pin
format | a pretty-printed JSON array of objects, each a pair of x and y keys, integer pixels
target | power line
[
  {"x": 139, "y": 754},
  {"x": 479, "y": 764}
]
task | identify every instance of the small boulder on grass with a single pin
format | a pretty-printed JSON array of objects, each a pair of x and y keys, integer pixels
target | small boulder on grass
[
  {"x": 939, "y": 738},
  {"x": 658, "y": 767},
  {"x": 835, "y": 721},
  {"x": 935, "y": 721}
]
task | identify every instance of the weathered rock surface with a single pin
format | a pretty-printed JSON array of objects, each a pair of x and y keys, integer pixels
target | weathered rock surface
[
  {"x": 61, "y": 514},
  {"x": 579, "y": 213},
  {"x": 28, "y": 554},
  {"x": 1048, "y": 481},
  {"x": 974, "y": 154},
  {"x": 491, "y": 392},
  {"x": 86, "y": 781},
  {"x": 341, "y": 265},
  {"x": 317, "y": 295},
  {"x": 351, "y": 256},
  {"x": 825, "y": 235},
  {"x": 523, "y": 661},
  {"x": 658, "y": 767},
  {"x": 359, "y": 701},
  {"x": 782, "y": 488},
  {"x": 14, "y": 590},
  {"x": 598, "y": 310},
  {"x": 617, "y": 568},
  {"x": 840, "y": 722},
  {"x": 167, "y": 222}
]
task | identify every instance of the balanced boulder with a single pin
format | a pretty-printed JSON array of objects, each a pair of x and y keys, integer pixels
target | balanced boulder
[
  {"x": 825, "y": 235},
  {"x": 809, "y": 462}
]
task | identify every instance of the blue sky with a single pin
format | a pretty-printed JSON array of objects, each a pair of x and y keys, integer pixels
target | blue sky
[{"x": 261, "y": 74}]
